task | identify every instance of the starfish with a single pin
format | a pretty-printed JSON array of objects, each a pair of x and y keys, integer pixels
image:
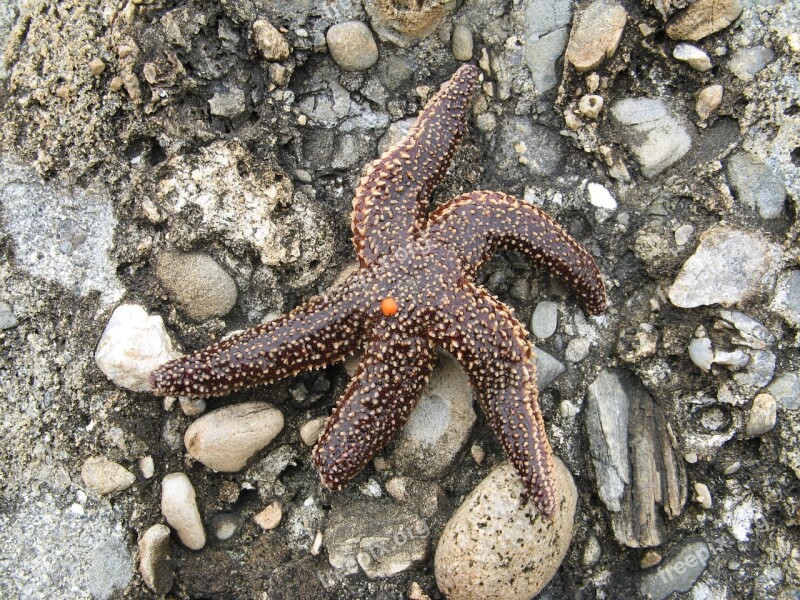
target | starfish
[{"x": 414, "y": 291}]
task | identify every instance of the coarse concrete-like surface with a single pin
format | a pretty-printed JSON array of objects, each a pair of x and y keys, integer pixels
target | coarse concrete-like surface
[{"x": 133, "y": 130}]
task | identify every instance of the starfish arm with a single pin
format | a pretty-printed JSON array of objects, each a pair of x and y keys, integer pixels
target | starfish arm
[
  {"x": 320, "y": 331},
  {"x": 391, "y": 202},
  {"x": 375, "y": 406},
  {"x": 478, "y": 223},
  {"x": 491, "y": 346}
]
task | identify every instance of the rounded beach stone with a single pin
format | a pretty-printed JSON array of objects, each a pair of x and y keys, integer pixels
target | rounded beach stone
[
  {"x": 179, "y": 507},
  {"x": 154, "y": 565},
  {"x": 352, "y": 46},
  {"x": 104, "y": 476},
  {"x": 497, "y": 545},
  {"x": 224, "y": 440},
  {"x": 201, "y": 287}
]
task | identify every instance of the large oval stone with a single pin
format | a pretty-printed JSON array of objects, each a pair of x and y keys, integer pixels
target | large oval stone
[{"x": 498, "y": 546}]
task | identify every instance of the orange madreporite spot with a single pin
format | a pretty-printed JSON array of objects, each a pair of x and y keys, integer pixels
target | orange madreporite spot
[{"x": 389, "y": 307}]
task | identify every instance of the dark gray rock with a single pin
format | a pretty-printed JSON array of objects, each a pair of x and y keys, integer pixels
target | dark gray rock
[{"x": 677, "y": 573}]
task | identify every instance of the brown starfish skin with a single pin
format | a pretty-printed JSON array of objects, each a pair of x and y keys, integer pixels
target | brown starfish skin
[{"x": 428, "y": 272}]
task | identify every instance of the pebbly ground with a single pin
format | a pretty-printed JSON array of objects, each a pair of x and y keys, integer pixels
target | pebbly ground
[{"x": 198, "y": 159}]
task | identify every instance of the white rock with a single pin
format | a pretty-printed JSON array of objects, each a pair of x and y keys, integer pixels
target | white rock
[
  {"x": 703, "y": 495},
  {"x": 708, "y": 100},
  {"x": 728, "y": 266},
  {"x": 104, "y": 476},
  {"x": 132, "y": 345},
  {"x": 147, "y": 466},
  {"x": 224, "y": 440},
  {"x": 590, "y": 105},
  {"x": 154, "y": 565},
  {"x": 600, "y": 197},
  {"x": 693, "y": 56},
  {"x": 179, "y": 507},
  {"x": 497, "y": 545}
]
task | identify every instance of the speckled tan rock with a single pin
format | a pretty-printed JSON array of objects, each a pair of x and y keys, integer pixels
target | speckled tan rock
[
  {"x": 596, "y": 35},
  {"x": 104, "y": 476},
  {"x": 224, "y": 440},
  {"x": 702, "y": 18},
  {"x": 497, "y": 546}
]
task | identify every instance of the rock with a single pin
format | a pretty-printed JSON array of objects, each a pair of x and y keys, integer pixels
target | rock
[
  {"x": 383, "y": 540},
  {"x": 201, "y": 287},
  {"x": 311, "y": 430},
  {"x": 678, "y": 572},
  {"x": 708, "y": 100},
  {"x": 786, "y": 391},
  {"x": 269, "y": 41},
  {"x": 701, "y": 351},
  {"x": 544, "y": 320},
  {"x": 747, "y": 62},
  {"x": 759, "y": 370},
  {"x": 702, "y": 18},
  {"x": 223, "y": 526},
  {"x": 228, "y": 104},
  {"x": 270, "y": 517},
  {"x": 763, "y": 415},
  {"x": 404, "y": 23},
  {"x": 132, "y": 345},
  {"x": 497, "y": 545},
  {"x": 154, "y": 563},
  {"x": 693, "y": 56},
  {"x": 224, "y": 440},
  {"x": 592, "y": 551},
  {"x": 147, "y": 466},
  {"x": 352, "y": 46},
  {"x": 683, "y": 234},
  {"x": 729, "y": 266},
  {"x": 786, "y": 299},
  {"x": 60, "y": 235},
  {"x": 596, "y": 34},
  {"x": 590, "y": 105},
  {"x": 577, "y": 350},
  {"x": 547, "y": 368},
  {"x": 179, "y": 507},
  {"x": 104, "y": 476},
  {"x": 638, "y": 471},
  {"x": 756, "y": 186},
  {"x": 97, "y": 66},
  {"x": 600, "y": 197},
  {"x": 703, "y": 495},
  {"x": 423, "y": 497},
  {"x": 650, "y": 559},
  {"x": 546, "y": 33},
  {"x": 439, "y": 426},
  {"x": 7, "y": 318},
  {"x": 462, "y": 42},
  {"x": 656, "y": 137},
  {"x": 192, "y": 407},
  {"x": 528, "y": 148}
]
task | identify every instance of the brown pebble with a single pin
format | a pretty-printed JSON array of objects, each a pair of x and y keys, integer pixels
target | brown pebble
[{"x": 97, "y": 66}]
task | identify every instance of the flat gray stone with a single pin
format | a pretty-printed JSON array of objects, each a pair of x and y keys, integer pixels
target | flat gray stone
[
  {"x": 786, "y": 300},
  {"x": 756, "y": 185},
  {"x": 228, "y": 104},
  {"x": 747, "y": 62},
  {"x": 547, "y": 368},
  {"x": 786, "y": 390},
  {"x": 439, "y": 426},
  {"x": 678, "y": 573},
  {"x": 655, "y": 136},
  {"x": 547, "y": 31},
  {"x": 728, "y": 266}
]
